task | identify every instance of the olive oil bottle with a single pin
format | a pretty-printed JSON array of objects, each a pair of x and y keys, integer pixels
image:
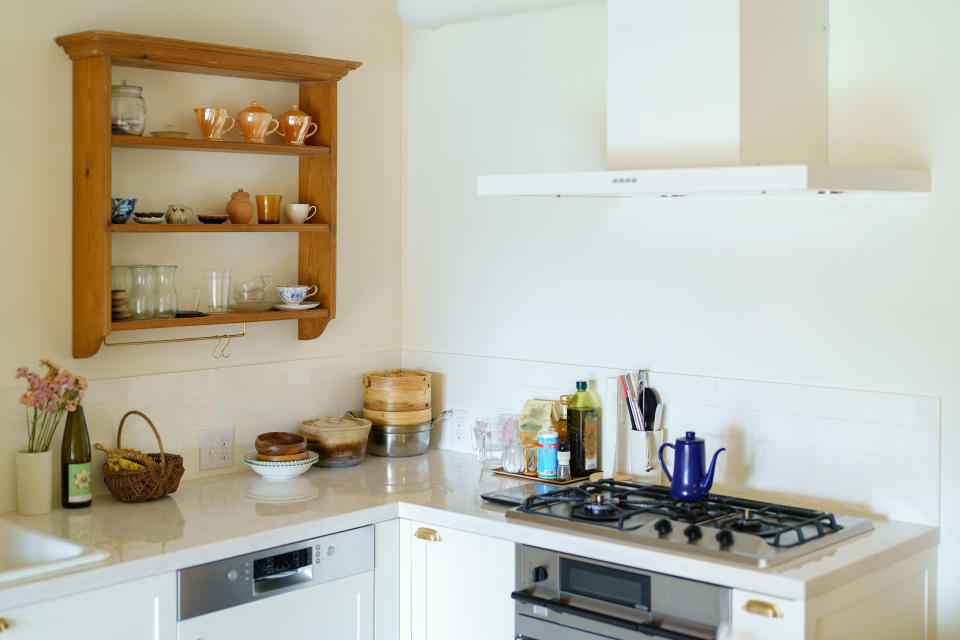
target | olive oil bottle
[
  {"x": 76, "y": 480},
  {"x": 583, "y": 432}
]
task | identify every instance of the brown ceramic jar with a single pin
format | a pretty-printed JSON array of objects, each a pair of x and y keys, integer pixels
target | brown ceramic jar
[
  {"x": 295, "y": 126},
  {"x": 255, "y": 122},
  {"x": 240, "y": 209}
]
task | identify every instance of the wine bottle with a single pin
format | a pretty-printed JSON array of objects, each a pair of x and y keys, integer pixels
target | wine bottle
[
  {"x": 76, "y": 469},
  {"x": 583, "y": 432}
]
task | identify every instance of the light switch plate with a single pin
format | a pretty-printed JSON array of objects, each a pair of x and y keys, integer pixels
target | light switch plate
[{"x": 216, "y": 448}]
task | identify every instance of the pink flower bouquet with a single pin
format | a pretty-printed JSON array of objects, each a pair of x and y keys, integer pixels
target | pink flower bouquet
[{"x": 50, "y": 397}]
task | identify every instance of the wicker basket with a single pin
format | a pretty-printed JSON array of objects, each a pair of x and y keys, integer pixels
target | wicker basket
[{"x": 161, "y": 473}]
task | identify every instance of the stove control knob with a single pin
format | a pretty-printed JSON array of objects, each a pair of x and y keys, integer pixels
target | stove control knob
[
  {"x": 539, "y": 574},
  {"x": 663, "y": 526},
  {"x": 725, "y": 538},
  {"x": 693, "y": 533}
]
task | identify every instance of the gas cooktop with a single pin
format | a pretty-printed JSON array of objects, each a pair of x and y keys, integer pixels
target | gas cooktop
[{"x": 735, "y": 529}]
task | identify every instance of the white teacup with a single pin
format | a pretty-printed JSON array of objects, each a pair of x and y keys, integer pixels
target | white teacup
[
  {"x": 300, "y": 213},
  {"x": 295, "y": 293}
]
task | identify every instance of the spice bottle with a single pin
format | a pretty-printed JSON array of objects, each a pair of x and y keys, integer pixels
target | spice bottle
[
  {"x": 547, "y": 453},
  {"x": 563, "y": 461}
]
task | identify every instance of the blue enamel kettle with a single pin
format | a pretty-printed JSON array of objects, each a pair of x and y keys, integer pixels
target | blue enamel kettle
[{"x": 691, "y": 480}]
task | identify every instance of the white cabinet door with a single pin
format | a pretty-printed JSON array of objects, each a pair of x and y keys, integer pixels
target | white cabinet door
[
  {"x": 140, "y": 609},
  {"x": 756, "y": 616},
  {"x": 460, "y": 585},
  {"x": 339, "y": 609}
]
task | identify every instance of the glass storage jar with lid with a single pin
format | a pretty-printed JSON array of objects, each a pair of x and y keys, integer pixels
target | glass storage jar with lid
[
  {"x": 128, "y": 110},
  {"x": 142, "y": 291}
]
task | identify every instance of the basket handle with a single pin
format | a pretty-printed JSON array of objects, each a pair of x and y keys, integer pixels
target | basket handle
[{"x": 155, "y": 432}]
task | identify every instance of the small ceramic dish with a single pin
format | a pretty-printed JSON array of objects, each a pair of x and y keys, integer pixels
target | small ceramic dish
[
  {"x": 170, "y": 133},
  {"x": 147, "y": 218},
  {"x": 280, "y": 470},
  {"x": 303, "y": 306},
  {"x": 148, "y": 214},
  {"x": 211, "y": 218},
  {"x": 280, "y": 443}
]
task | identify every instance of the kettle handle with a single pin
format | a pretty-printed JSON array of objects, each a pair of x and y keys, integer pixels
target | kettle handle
[{"x": 663, "y": 465}]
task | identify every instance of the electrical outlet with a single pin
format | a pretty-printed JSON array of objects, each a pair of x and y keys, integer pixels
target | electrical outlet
[
  {"x": 455, "y": 434},
  {"x": 216, "y": 448}
]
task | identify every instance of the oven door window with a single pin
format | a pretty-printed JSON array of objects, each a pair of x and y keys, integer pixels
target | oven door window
[{"x": 605, "y": 583}]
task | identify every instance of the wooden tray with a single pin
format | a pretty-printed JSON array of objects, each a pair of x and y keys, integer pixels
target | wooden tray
[{"x": 559, "y": 483}]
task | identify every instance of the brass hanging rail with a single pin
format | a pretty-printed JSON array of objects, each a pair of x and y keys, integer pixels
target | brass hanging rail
[{"x": 227, "y": 336}]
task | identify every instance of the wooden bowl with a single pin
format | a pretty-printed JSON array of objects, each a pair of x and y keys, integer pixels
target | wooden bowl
[
  {"x": 290, "y": 458},
  {"x": 280, "y": 443}
]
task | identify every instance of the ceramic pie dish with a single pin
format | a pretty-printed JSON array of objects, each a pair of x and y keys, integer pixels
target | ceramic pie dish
[{"x": 280, "y": 470}]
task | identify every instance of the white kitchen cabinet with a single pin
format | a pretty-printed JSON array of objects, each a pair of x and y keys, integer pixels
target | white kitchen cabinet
[
  {"x": 144, "y": 609},
  {"x": 340, "y": 609},
  {"x": 460, "y": 584},
  {"x": 895, "y": 602}
]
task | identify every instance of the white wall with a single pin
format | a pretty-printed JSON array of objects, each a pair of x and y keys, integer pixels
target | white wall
[{"x": 842, "y": 291}]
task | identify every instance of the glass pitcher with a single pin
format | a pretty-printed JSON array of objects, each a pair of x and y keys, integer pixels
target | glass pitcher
[
  {"x": 141, "y": 291},
  {"x": 165, "y": 292}
]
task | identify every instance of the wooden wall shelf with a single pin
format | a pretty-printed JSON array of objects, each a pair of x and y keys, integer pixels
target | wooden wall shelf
[
  {"x": 226, "y": 227},
  {"x": 93, "y": 53},
  {"x": 225, "y": 146},
  {"x": 222, "y": 318}
]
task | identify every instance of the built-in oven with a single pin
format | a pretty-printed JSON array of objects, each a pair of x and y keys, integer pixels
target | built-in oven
[{"x": 565, "y": 597}]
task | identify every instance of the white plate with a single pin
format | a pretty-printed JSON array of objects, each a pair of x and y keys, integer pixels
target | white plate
[
  {"x": 280, "y": 470},
  {"x": 303, "y": 306}
]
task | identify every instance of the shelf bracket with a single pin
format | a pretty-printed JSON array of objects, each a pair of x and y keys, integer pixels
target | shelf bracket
[{"x": 227, "y": 336}]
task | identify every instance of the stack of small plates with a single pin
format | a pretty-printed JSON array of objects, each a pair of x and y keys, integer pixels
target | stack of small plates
[{"x": 280, "y": 470}]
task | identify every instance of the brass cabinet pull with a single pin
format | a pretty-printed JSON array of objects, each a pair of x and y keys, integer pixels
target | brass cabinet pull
[
  {"x": 4, "y": 624},
  {"x": 428, "y": 534},
  {"x": 762, "y": 608}
]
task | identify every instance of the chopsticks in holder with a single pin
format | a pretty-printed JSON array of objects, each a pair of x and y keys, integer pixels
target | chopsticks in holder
[{"x": 636, "y": 417}]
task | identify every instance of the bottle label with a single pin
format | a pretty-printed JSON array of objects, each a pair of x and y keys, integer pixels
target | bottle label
[
  {"x": 591, "y": 439},
  {"x": 79, "y": 482}
]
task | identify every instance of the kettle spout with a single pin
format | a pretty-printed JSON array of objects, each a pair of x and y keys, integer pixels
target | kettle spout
[{"x": 707, "y": 481}]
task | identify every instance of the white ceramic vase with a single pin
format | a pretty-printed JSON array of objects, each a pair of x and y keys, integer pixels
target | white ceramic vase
[{"x": 34, "y": 482}]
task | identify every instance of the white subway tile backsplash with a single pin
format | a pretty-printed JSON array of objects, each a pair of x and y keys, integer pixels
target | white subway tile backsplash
[{"x": 848, "y": 450}]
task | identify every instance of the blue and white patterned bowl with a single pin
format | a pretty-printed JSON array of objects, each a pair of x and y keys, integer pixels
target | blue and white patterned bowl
[
  {"x": 121, "y": 210},
  {"x": 295, "y": 293}
]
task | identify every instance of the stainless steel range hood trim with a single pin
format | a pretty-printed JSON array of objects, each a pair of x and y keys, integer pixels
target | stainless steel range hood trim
[{"x": 707, "y": 181}]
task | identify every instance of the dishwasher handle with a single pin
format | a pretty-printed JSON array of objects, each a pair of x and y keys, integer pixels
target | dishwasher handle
[{"x": 562, "y": 607}]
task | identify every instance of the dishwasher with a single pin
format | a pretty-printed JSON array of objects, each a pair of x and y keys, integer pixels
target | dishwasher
[{"x": 317, "y": 588}]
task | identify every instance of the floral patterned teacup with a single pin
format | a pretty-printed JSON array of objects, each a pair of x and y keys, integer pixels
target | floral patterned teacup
[
  {"x": 294, "y": 294},
  {"x": 122, "y": 209}
]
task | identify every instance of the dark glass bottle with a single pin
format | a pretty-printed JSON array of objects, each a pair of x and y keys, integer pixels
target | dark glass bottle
[
  {"x": 76, "y": 479},
  {"x": 583, "y": 432}
]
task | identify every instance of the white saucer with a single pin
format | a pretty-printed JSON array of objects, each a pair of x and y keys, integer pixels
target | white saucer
[{"x": 303, "y": 306}]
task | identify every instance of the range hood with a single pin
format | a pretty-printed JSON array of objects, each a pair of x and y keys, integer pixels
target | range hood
[{"x": 715, "y": 97}]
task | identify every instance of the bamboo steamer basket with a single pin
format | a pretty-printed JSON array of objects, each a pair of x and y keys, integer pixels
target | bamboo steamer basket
[{"x": 397, "y": 397}]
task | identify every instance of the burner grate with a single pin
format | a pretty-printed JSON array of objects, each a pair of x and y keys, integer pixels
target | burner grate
[{"x": 620, "y": 505}]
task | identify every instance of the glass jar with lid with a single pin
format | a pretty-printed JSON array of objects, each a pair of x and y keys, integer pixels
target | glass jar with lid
[
  {"x": 142, "y": 291},
  {"x": 128, "y": 110}
]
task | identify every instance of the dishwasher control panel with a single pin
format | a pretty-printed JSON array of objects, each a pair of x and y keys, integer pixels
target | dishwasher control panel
[{"x": 234, "y": 581}]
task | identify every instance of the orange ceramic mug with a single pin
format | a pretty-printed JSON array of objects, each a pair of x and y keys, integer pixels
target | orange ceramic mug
[
  {"x": 268, "y": 209},
  {"x": 213, "y": 122}
]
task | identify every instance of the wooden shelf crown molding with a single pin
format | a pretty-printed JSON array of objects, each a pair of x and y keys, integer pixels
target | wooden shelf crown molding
[{"x": 151, "y": 52}]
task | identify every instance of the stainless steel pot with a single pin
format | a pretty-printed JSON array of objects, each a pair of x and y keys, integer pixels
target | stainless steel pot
[{"x": 399, "y": 441}]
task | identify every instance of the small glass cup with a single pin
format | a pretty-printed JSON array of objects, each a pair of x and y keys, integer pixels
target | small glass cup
[
  {"x": 120, "y": 278},
  {"x": 188, "y": 299},
  {"x": 216, "y": 290}
]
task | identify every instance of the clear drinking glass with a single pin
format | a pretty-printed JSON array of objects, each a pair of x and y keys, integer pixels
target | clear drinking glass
[
  {"x": 216, "y": 290},
  {"x": 141, "y": 291},
  {"x": 165, "y": 293},
  {"x": 513, "y": 458},
  {"x": 188, "y": 299}
]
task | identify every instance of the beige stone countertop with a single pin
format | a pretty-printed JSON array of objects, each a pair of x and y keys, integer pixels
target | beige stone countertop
[{"x": 221, "y": 516}]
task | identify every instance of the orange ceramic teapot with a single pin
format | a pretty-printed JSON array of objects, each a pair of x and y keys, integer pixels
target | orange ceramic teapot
[
  {"x": 295, "y": 126},
  {"x": 254, "y": 123}
]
